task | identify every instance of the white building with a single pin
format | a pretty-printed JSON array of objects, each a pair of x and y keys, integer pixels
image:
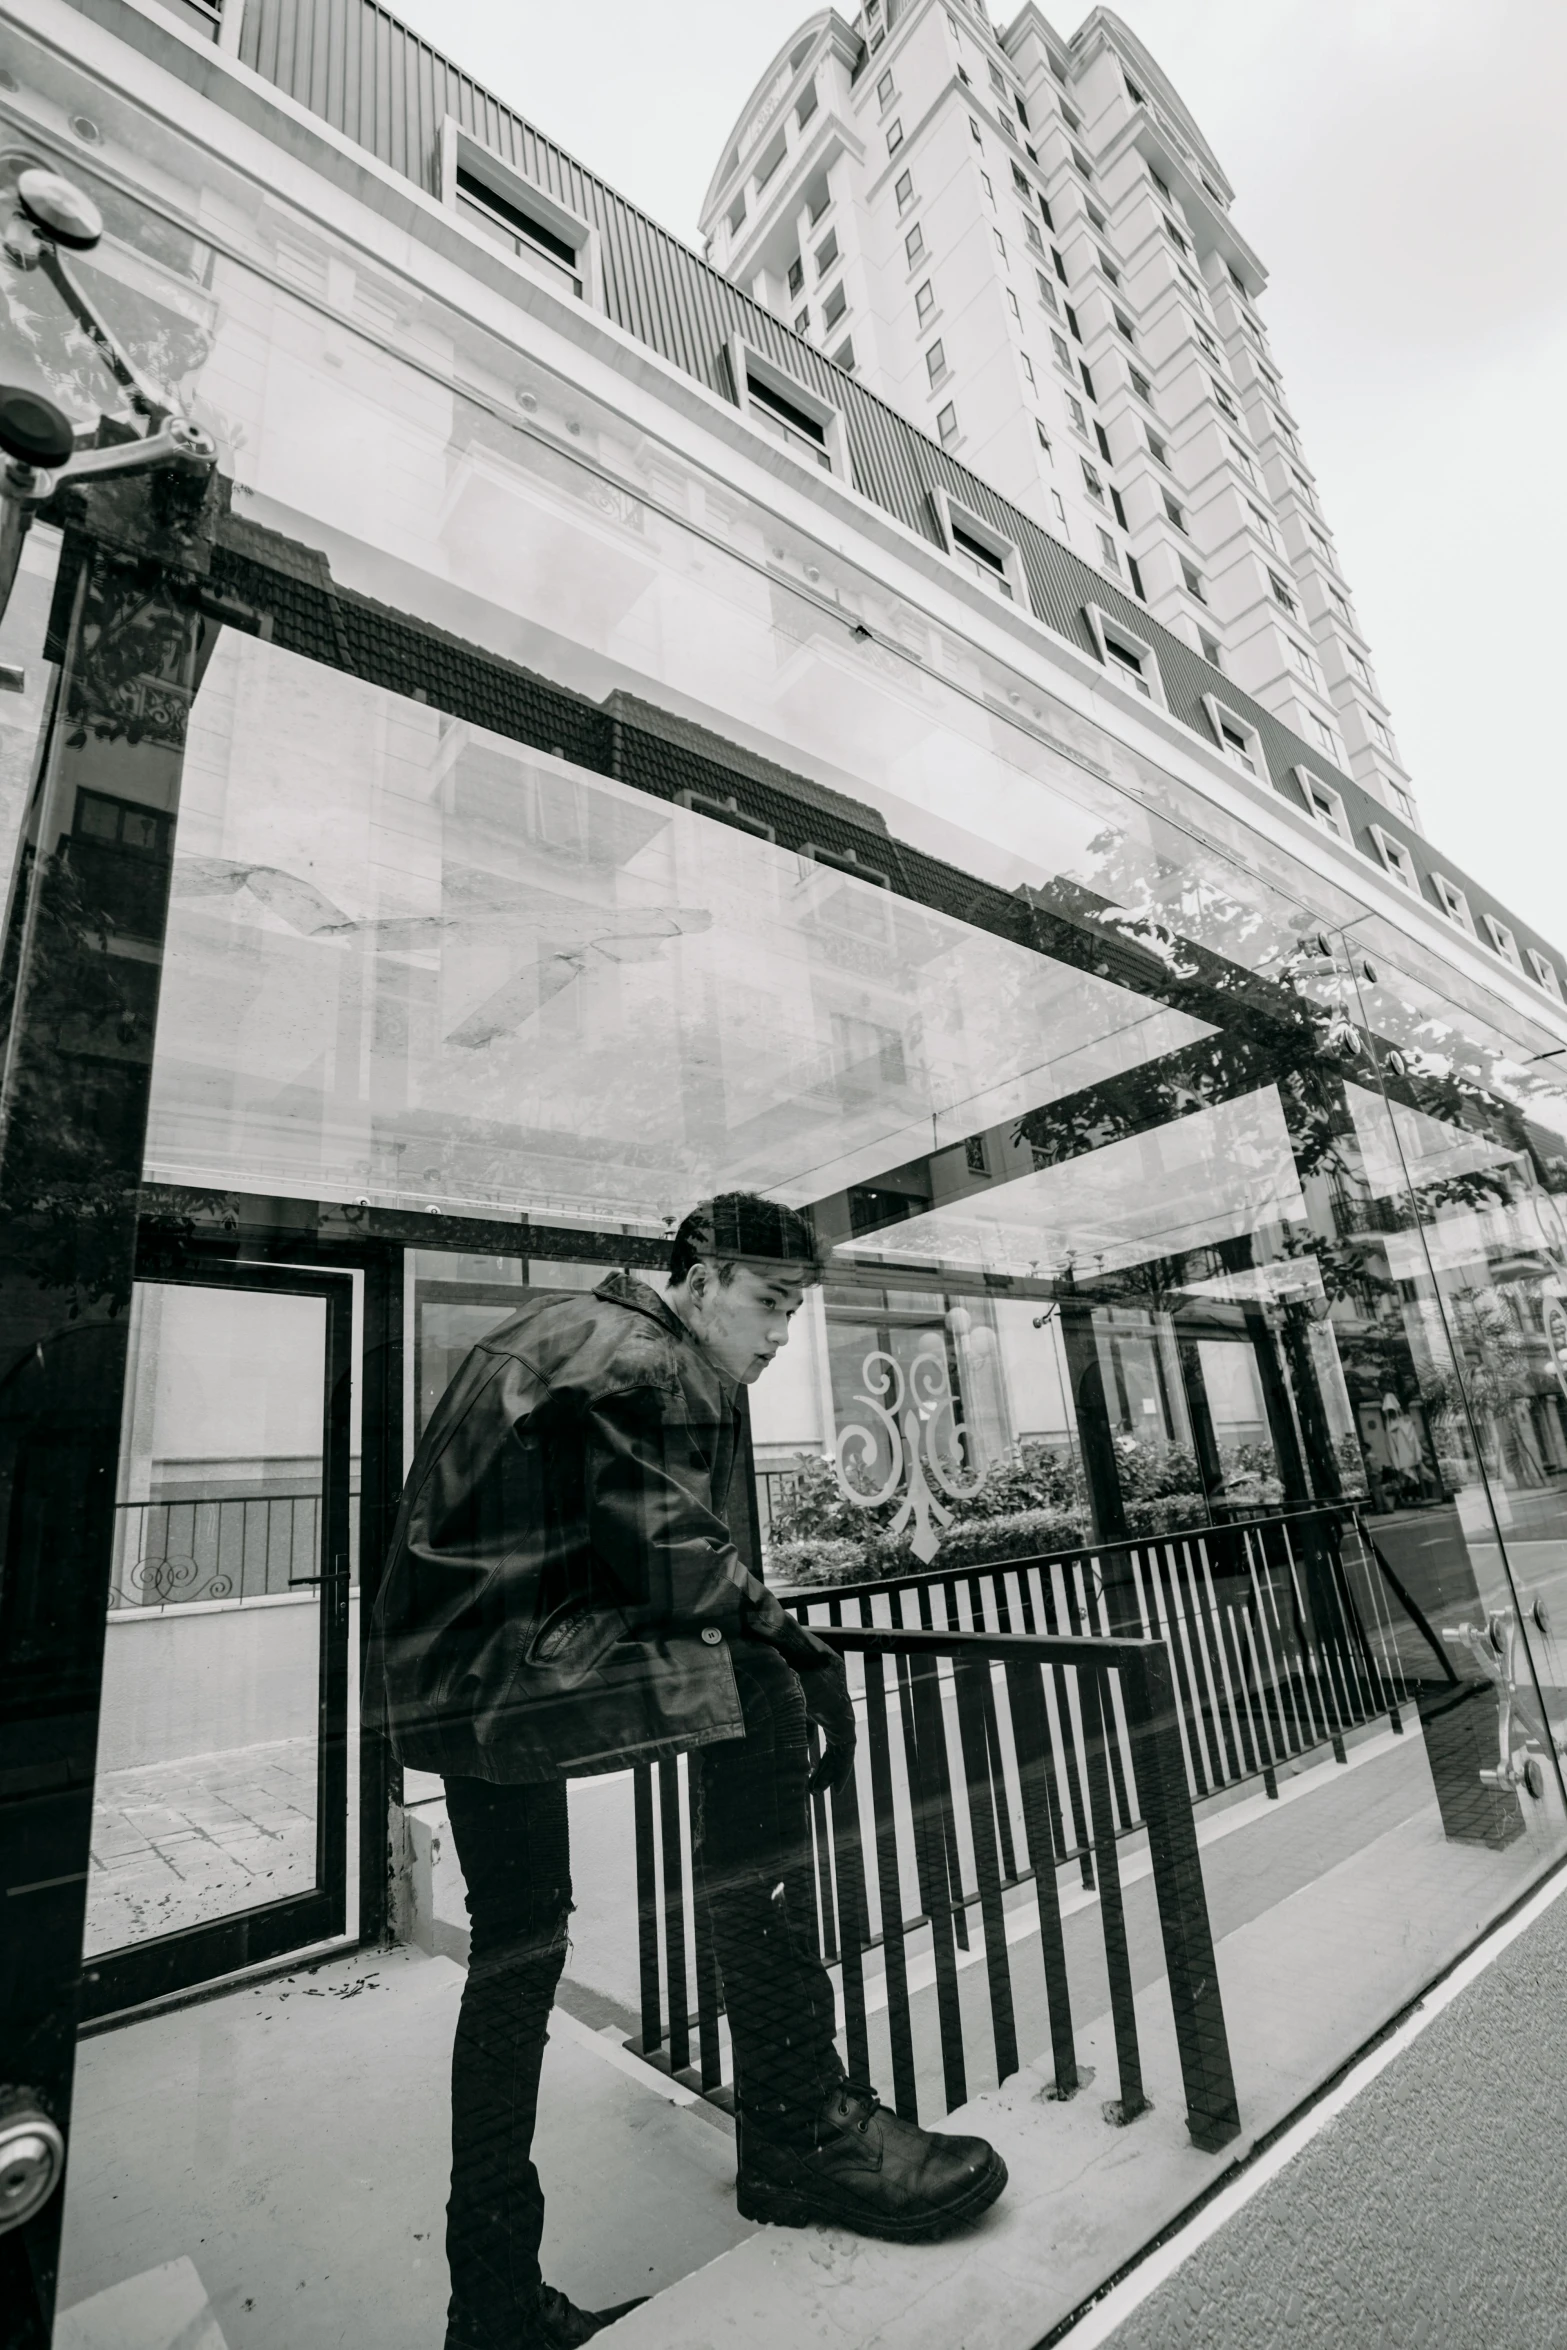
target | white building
[{"x": 1025, "y": 244}]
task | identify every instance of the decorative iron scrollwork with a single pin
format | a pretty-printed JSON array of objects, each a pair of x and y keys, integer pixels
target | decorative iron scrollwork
[{"x": 916, "y": 1418}]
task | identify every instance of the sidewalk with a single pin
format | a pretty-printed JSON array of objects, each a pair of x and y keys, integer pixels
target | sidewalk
[{"x": 1427, "y": 2215}]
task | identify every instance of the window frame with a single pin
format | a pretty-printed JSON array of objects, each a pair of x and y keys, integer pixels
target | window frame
[
  {"x": 1502, "y": 940},
  {"x": 1453, "y": 902},
  {"x": 1105, "y": 626},
  {"x": 953, "y": 517},
  {"x": 1395, "y": 858},
  {"x": 1335, "y": 819},
  {"x": 747, "y": 364},
  {"x": 1250, "y": 759},
  {"x": 462, "y": 152},
  {"x": 1544, "y": 973}
]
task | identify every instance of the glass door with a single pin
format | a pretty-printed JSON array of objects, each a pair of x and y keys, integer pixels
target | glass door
[{"x": 220, "y": 1804}]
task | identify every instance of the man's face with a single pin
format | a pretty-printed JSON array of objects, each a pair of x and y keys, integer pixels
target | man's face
[{"x": 743, "y": 1321}]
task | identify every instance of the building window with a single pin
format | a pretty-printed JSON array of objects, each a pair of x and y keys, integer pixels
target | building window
[
  {"x": 1225, "y": 405},
  {"x": 507, "y": 210},
  {"x": 1126, "y": 656},
  {"x": 1085, "y": 379},
  {"x": 1453, "y": 902},
  {"x": 1208, "y": 646},
  {"x": 1070, "y": 116},
  {"x": 796, "y": 276},
  {"x": 914, "y": 245},
  {"x": 1503, "y": 940},
  {"x": 903, "y": 190},
  {"x": 1396, "y": 859},
  {"x": 1242, "y": 460},
  {"x": 1235, "y": 737},
  {"x": 1161, "y": 185},
  {"x": 884, "y": 89},
  {"x": 1157, "y": 449},
  {"x": 974, "y": 1155},
  {"x": 1173, "y": 513},
  {"x": 1103, "y": 439},
  {"x": 1047, "y": 292},
  {"x": 1081, "y": 164},
  {"x": 997, "y": 79},
  {"x": 1194, "y": 586},
  {"x": 1031, "y": 232},
  {"x": 1544, "y": 971},
  {"x": 979, "y": 139},
  {"x": 935, "y": 362},
  {"x": 1116, "y": 507},
  {"x": 1063, "y": 355},
  {"x": 1028, "y": 370},
  {"x": 1108, "y": 550},
  {"x": 1059, "y": 265},
  {"x": 1324, "y": 805},
  {"x": 788, "y": 412},
  {"x": 1044, "y": 213},
  {"x": 1281, "y": 594},
  {"x": 1044, "y": 440},
  {"x": 1174, "y": 235},
  {"x": 802, "y": 322},
  {"x": 827, "y": 252},
  {"x": 1302, "y": 660},
  {"x": 990, "y": 193},
  {"x": 1017, "y": 315},
  {"x": 1359, "y": 667},
  {"x": 1379, "y": 733},
  {"x": 1055, "y": 500},
  {"x": 947, "y": 425},
  {"x": 1326, "y": 739},
  {"x": 834, "y": 307},
  {"x": 1124, "y": 328},
  {"x": 1140, "y": 385},
  {"x": 1112, "y": 274},
  {"x": 1071, "y": 320},
  {"x": 844, "y": 357},
  {"x": 1092, "y": 483},
  {"x": 1262, "y": 524},
  {"x": 1074, "y": 409},
  {"x": 1020, "y": 182},
  {"x": 924, "y": 302}
]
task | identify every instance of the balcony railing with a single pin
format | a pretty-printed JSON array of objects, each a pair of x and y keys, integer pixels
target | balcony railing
[
  {"x": 1280, "y": 1631},
  {"x": 222, "y": 1546},
  {"x": 1062, "y": 1748}
]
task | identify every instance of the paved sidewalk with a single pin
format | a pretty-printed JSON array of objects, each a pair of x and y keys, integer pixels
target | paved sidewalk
[
  {"x": 1427, "y": 2215},
  {"x": 177, "y": 1844}
]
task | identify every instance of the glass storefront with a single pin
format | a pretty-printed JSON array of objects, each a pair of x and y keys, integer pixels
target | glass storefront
[{"x": 482, "y": 836}]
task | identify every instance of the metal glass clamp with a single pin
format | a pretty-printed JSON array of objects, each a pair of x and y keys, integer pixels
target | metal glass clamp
[
  {"x": 50, "y": 217},
  {"x": 32, "y": 2157}
]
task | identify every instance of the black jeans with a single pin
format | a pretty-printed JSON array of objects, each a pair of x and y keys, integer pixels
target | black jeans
[{"x": 751, "y": 1820}]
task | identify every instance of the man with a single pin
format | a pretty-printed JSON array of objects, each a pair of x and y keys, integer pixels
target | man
[{"x": 564, "y": 1596}]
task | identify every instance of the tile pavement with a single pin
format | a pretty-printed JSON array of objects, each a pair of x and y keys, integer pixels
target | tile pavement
[{"x": 179, "y": 1843}]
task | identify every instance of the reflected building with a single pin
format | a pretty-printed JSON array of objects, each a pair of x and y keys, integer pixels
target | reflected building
[{"x": 573, "y": 751}]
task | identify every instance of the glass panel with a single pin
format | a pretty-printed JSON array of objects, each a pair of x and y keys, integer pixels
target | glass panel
[{"x": 205, "y": 1799}]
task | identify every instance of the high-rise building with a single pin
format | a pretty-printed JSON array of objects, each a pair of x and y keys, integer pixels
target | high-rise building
[{"x": 1026, "y": 244}]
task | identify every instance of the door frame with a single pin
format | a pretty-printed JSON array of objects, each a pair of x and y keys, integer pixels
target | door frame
[{"x": 167, "y": 1963}]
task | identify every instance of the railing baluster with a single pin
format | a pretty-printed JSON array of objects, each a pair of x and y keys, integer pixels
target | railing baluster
[
  {"x": 709, "y": 2058},
  {"x": 1118, "y": 1964},
  {"x": 972, "y": 1681},
  {"x": 647, "y": 1907},
  {"x": 1148, "y": 1690},
  {"x": 934, "y": 1834},
  {"x": 889, "y": 1893},
  {"x": 853, "y": 1920},
  {"x": 1041, "y": 1826},
  {"x": 672, "y": 1844}
]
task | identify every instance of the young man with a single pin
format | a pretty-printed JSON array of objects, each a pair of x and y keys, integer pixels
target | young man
[{"x": 564, "y": 1596}]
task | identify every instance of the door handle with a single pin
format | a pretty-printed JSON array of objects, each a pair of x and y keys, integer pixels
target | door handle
[{"x": 32, "y": 2157}]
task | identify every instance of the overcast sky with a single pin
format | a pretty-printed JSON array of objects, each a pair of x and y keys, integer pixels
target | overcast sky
[{"x": 1399, "y": 167}]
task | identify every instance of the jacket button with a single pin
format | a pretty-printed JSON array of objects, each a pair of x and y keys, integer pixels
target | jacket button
[{"x": 711, "y": 1634}]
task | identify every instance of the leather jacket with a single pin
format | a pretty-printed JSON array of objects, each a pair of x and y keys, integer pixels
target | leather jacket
[{"x": 562, "y": 1588}]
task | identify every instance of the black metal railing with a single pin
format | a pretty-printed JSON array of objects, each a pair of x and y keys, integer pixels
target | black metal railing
[
  {"x": 989, "y": 1761},
  {"x": 1281, "y": 1634},
  {"x": 222, "y": 1546}
]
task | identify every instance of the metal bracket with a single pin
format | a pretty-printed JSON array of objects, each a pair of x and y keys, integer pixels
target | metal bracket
[{"x": 50, "y": 216}]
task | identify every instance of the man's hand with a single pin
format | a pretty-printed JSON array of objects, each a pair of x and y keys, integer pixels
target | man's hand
[
  {"x": 795, "y": 1642},
  {"x": 829, "y": 1705}
]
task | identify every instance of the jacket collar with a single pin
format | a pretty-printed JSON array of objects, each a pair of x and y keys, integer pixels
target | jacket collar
[{"x": 623, "y": 1289}]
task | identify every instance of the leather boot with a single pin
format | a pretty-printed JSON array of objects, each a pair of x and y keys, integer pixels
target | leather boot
[
  {"x": 553, "y": 2323},
  {"x": 869, "y": 2171}
]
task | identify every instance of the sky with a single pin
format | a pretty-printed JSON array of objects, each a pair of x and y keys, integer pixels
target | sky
[{"x": 1398, "y": 168}]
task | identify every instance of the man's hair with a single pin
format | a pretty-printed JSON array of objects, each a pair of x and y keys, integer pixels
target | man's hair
[{"x": 740, "y": 1228}]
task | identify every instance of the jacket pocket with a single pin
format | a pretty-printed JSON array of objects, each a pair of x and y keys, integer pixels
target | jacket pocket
[{"x": 573, "y": 1642}]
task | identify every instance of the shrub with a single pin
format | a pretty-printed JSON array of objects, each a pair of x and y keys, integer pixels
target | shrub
[
  {"x": 808, "y": 1565},
  {"x": 1018, "y": 1534}
]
